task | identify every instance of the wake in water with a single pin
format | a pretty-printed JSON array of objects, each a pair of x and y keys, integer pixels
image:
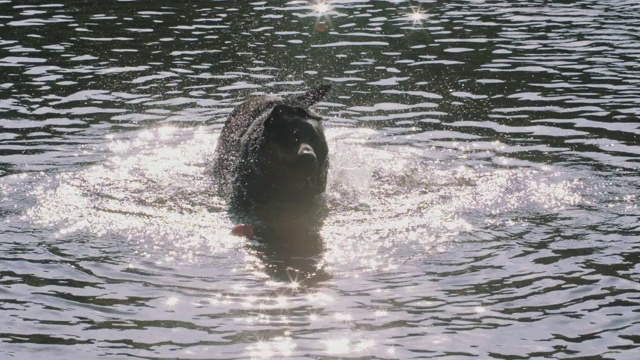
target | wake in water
[{"x": 385, "y": 204}]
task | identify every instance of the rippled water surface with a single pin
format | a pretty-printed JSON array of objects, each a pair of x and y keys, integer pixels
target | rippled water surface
[{"x": 482, "y": 200}]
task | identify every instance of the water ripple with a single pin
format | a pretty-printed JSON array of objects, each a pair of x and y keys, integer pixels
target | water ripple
[{"x": 481, "y": 200}]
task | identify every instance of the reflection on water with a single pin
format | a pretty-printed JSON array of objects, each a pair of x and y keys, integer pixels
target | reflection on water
[
  {"x": 482, "y": 197},
  {"x": 291, "y": 253}
]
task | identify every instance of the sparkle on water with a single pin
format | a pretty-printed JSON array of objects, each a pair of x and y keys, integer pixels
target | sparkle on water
[
  {"x": 382, "y": 202},
  {"x": 386, "y": 206},
  {"x": 322, "y": 7},
  {"x": 501, "y": 207},
  {"x": 322, "y": 10},
  {"x": 417, "y": 15}
]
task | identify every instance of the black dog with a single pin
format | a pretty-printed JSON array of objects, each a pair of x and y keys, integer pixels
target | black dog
[{"x": 272, "y": 150}]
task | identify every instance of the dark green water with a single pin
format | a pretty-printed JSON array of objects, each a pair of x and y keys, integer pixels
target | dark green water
[{"x": 483, "y": 196}]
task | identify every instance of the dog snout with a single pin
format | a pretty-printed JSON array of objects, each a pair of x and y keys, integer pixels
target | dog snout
[{"x": 306, "y": 157}]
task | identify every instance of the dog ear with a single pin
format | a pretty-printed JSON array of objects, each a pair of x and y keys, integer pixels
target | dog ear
[
  {"x": 312, "y": 96},
  {"x": 278, "y": 112}
]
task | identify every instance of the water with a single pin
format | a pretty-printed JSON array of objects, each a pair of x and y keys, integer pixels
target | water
[{"x": 482, "y": 197}]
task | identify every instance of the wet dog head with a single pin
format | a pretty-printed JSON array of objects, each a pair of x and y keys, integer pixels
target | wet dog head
[
  {"x": 294, "y": 150},
  {"x": 272, "y": 149}
]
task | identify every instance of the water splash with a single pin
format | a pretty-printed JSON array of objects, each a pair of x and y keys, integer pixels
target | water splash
[{"x": 385, "y": 203}]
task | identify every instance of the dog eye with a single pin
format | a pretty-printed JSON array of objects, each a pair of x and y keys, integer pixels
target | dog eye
[{"x": 294, "y": 137}]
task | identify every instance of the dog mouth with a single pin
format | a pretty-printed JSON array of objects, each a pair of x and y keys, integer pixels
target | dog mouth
[
  {"x": 289, "y": 176},
  {"x": 299, "y": 170},
  {"x": 297, "y": 183},
  {"x": 292, "y": 169}
]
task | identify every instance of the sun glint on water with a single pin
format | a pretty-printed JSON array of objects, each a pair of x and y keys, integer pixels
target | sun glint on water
[{"x": 322, "y": 7}]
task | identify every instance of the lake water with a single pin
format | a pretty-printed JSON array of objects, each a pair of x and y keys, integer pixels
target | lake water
[{"x": 482, "y": 200}]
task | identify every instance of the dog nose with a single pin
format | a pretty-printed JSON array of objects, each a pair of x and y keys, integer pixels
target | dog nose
[{"x": 306, "y": 158}]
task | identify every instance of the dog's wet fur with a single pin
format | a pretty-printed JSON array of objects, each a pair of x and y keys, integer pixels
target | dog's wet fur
[
  {"x": 271, "y": 165},
  {"x": 272, "y": 152}
]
